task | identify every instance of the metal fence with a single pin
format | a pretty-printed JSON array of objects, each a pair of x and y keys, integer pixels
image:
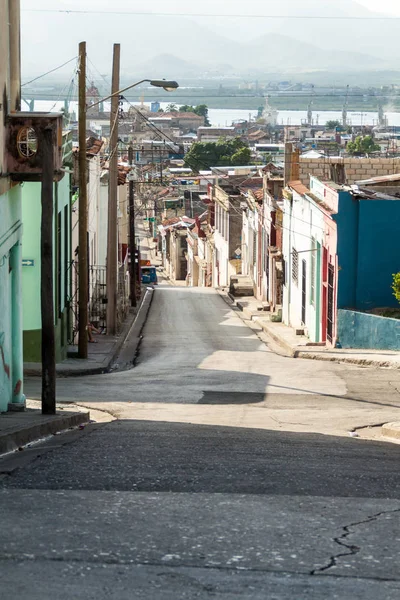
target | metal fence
[{"x": 97, "y": 307}]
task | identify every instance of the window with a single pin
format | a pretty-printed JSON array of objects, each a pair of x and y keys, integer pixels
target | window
[
  {"x": 266, "y": 253},
  {"x": 313, "y": 271},
  {"x": 27, "y": 142},
  {"x": 295, "y": 266}
]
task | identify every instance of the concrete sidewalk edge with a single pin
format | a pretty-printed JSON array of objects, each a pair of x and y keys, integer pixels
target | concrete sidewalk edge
[
  {"x": 391, "y": 431},
  {"x": 364, "y": 362},
  {"x": 129, "y": 350},
  {"x": 49, "y": 425},
  {"x": 306, "y": 352},
  {"x": 285, "y": 349}
]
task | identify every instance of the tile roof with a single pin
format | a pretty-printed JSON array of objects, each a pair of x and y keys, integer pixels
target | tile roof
[
  {"x": 181, "y": 115},
  {"x": 299, "y": 187},
  {"x": 122, "y": 174},
  {"x": 93, "y": 145}
]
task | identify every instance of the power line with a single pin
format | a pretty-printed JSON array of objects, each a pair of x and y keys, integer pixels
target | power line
[
  {"x": 304, "y": 95},
  {"x": 48, "y": 72},
  {"x": 211, "y": 15}
]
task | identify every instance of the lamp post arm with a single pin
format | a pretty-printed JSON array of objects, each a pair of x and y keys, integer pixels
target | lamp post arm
[{"x": 118, "y": 93}]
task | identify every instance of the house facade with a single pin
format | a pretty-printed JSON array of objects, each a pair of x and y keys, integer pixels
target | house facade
[
  {"x": 11, "y": 359},
  {"x": 310, "y": 259},
  {"x": 336, "y": 273},
  {"x": 227, "y": 261}
]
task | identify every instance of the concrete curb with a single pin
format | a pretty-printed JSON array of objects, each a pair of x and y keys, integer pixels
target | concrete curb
[
  {"x": 363, "y": 362},
  {"x": 65, "y": 371},
  {"x": 35, "y": 431},
  {"x": 257, "y": 326},
  {"x": 391, "y": 430},
  {"x": 286, "y": 348},
  {"x": 128, "y": 353}
]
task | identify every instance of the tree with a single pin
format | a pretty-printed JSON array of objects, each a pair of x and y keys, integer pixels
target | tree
[
  {"x": 241, "y": 157},
  {"x": 172, "y": 108},
  {"x": 363, "y": 145},
  {"x": 396, "y": 286},
  {"x": 202, "y": 111},
  {"x": 217, "y": 154},
  {"x": 160, "y": 110},
  {"x": 186, "y": 108},
  {"x": 333, "y": 124}
]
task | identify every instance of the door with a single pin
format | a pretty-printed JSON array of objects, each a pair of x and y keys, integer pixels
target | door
[
  {"x": 303, "y": 291},
  {"x": 330, "y": 322}
]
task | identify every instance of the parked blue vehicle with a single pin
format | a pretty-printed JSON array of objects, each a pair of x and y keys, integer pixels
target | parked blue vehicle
[{"x": 149, "y": 275}]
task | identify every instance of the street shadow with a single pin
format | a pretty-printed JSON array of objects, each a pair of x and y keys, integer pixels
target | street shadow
[{"x": 148, "y": 456}]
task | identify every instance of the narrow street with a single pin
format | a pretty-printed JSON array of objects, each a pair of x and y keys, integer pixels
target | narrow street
[{"x": 228, "y": 473}]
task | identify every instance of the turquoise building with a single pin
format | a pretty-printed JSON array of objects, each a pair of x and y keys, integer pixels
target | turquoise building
[{"x": 11, "y": 366}]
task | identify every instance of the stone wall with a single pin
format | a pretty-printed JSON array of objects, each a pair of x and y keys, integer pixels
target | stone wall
[{"x": 356, "y": 169}]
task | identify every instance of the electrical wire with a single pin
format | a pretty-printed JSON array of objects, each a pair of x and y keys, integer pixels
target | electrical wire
[
  {"x": 48, "y": 72},
  {"x": 211, "y": 15},
  {"x": 304, "y": 96}
]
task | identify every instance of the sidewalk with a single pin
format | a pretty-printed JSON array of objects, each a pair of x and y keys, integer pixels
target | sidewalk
[
  {"x": 287, "y": 343},
  {"x": 102, "y": 355},
  {"x": 21, "y": 428}
]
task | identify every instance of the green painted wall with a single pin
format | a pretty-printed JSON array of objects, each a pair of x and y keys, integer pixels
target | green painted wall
[
  {"x": 33, "y": 341},
  {"x": 11, "y": 366},
  {"x": 31, "y": 216}
]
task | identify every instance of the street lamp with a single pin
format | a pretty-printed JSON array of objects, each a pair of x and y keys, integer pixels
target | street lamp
[
  {"x": 112, "y": 231},
  {"x": 168, "y": 86}
]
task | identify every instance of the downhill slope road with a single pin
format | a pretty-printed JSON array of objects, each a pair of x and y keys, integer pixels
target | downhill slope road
[{"x": 229, "y": 473}]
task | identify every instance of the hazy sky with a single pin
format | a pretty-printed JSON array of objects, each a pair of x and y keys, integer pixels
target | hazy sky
[
  {"x": 51, "y": 39},
  {"x": 389, "y": 6}
]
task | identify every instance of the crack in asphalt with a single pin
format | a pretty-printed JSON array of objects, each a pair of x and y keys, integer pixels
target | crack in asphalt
[
  {"x": 353, "y": 549},
  {"x": 5, "y": 557}
]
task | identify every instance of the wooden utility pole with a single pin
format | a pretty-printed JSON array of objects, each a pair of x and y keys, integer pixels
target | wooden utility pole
[
  {"x": 112, "y": 230},
  {"x": 132, "y": 238},
  {"x": 46, "y": 281},
  {"x": 288, "y": 162},
  {"x": 83, "y": 216},
  {"x": 14, "y": 20}
]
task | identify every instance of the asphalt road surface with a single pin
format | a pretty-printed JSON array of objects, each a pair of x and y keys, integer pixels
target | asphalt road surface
[{"x": 229, "y": 473}]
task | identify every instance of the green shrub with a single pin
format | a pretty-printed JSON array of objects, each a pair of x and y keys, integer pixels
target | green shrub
[{"x": 396, "y": 286}]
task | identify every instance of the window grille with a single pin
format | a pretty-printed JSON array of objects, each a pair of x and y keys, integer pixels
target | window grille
[
  {"x": 313, "y": 271},
  {"x": 295, "y": 266}
]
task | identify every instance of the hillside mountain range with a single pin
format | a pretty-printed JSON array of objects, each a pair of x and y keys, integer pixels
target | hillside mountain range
[{"x": 176, "y": 46}]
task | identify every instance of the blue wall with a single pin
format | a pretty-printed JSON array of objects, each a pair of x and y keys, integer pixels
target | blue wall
[
  {"x": 378, "y": 254},
  {"x": 360, "y": 330},
  {"x": 368, "y": 251},
  {"x": 347, "y": 249}
]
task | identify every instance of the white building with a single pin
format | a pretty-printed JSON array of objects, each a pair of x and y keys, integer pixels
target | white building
[{"x": 303, "y": 238}]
